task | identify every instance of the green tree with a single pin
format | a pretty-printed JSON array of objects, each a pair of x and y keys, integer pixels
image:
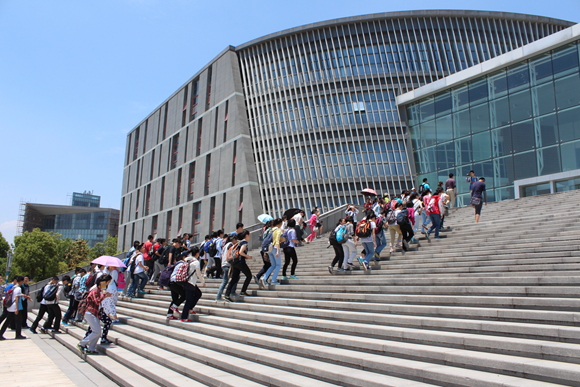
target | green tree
[
  {"x": 77, "y": 253},
  {"x": 97, "y": 250},
  {"x": 4, "y": 249},
  {"x": 63, "y": 246},
  {"x": 111, "y": 246},
  {"x": 35, "y": 253}
]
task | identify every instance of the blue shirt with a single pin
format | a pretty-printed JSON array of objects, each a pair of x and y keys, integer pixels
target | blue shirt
[
  {"x": 218, "y": 246},
  {"x": 478, "y": 189}
]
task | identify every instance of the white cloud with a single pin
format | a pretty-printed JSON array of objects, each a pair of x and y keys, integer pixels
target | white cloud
[{"x": 8, "y": 230}]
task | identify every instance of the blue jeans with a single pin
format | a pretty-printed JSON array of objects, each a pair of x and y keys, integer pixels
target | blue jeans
[
  {"x": 136, "y": 277},
  {"x": 369, "y": 251},
  {"x": 381, "y": 243},
  {"x": 276, "y": 265},
  {"x": 425, "y": 218},
  {"x": 226, "y": 270},
  {"x": 436, "y": 220}
]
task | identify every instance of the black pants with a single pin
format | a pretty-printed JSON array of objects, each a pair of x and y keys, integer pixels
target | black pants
[
  {"x": 177, "y": 296},
  {"x": 11, "y": 317},
  {"x": 150, "y": 265},
  {"x": 267, "y": 264},
  {"x": 290, "y": 254},
  {"x": 298, "y": 230},
  {"x": 217, "y": 268},
  {"x": 73, "y": 304},
  {"x": 339, "y": 254},
  {"x": 192, "y": 296},
  {"x": 54, "y": 314},
  {"x": 407, "y": 231},
  {"x": 41, "y": 311},
  {"x": 4, "y": 315},
  {"x": 239, "y": 268},
  {"x": 24, "y": 313}
]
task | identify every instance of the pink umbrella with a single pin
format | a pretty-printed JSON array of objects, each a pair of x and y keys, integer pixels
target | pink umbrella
[
  {"x": 108, "y": 261},
  {"x": 369, "y": 191}
]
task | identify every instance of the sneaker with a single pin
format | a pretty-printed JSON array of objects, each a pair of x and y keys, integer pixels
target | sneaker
[
  {"x": 186, "y": 320},
  {"x": 341, "y": 270},
  {"x": 318, "y": 237},
  {"x": 377, "y": 256},
  {"x": 284, "y": 277},
  {"x": 42, "y": 330},
  {"x": 262, "y": 283},
  {"x": 171, "y": 318},
  {"x": 116, "y": 321},
  {"x": 256, "y": 280},
  {"x": 227, "y": 299},
  {"x": 105, "y": 342},
  {"x": 81, "y": 348},
  {"x": 141, "y": 291},
  {"x": 366, "y": 266},
  {"x": 65, "y": 323},
  {"x": 243, "y": 294},
  {"x": 32, "y": 330},
  {"x": 438, "y": 237},
  {"x": 427, "y": 236},
  {"x": 91, "y": 353},
  {"x": 55, "y": 331},
  {"x": 160, "y": 288},
  {"x": 293, "y": 277},
  {"x": 406, "y": 245},
  {"x": 392, "y": 250},
  {"x": 174, "y": 309},
  {"x": 21, "y": 337},
  {"x": 330, "y": 269},
  {"x": 275, "y": 283},
  {"x": 360, "y": 260}
]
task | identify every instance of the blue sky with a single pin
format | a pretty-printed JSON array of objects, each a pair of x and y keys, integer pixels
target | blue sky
[{"x": 76, "y": 76}]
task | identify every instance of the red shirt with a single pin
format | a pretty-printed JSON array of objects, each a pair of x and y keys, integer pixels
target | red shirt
[
  {"x": 147, "y": 245},
  {"x": 94, "y": 301}
]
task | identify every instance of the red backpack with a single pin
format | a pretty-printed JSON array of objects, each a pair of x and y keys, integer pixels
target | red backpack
[
  {"x": 181, "y": 274},
  {"x": 363, "y": 229}
]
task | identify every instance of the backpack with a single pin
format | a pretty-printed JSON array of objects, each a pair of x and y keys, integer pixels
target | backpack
[
  {"x": 380, "y": 222},
  {"x": 163, "y": 259},
  {"x": 421, "y": 188},
  {"x": 206, "y": 246},
  {"x": 391, "y": 218},
  {"x": 8, "y": 301},
  {"x": 212, "y": 249},
  {"x": 51, "y": 295},
  {"x": 165, "y": 276},
  {"x": 40, "y": 294},
  {"x": 152, "y": 251},
  {"x": 286, "y": 242},
  {"x": 236, "y": 252},
  {"x": 126, "y": 263},
  {"x": 363, "y": 229},
  {"x": 432, "y": 204},
  {"x": 91, "y": 280},
  {"x": 230, "y": 253},
  {"x": 181, "y": 274},
  {"x": 403, "y": 217},
  {"x": 268, "y": 238},
  {"x": 340, "y": 235}
]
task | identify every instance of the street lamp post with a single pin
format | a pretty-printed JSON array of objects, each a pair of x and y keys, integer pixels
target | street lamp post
[{"x": 9, "y": 265}]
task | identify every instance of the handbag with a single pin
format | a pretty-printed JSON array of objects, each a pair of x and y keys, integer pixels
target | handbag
[{"x": 475, "y": 201}]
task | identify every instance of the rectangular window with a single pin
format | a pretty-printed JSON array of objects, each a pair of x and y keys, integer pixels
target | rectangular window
[
  {"x": 207, "y": 170},
  {"x": 226, "y": 122},
  {"x": 152, "y": 165},
  {"x": 169, "y": 218},
  {"x": 137, "y": 173},
  {"x": 215, "y": 127},
  {"x": 174, "y": 150},
  {"x": 137, "y": 204},
  {"x": 160, "y": 153},
  {"x": 128, "y": 148},
  {"x": 162, "y": 193},
  {"x": 184, "y": 113},
  {"x": 180, "y": 220},
  {"x": 148, "y": 199},
  {"x": 178, "y": 198},
  {"x": 122, "y": 209},
  {"x": 223, "y": 211},
  {"x": 154, "y": 225},
  {"x": 234, "y": 166},
  {"x": 191, "y": 181},
  {"x": 136, "y": 144},
  {"x": 195, "y": 221},
  {"x": 212, "y": 214},
  {"x": 145, "y": 139},
  {"x": 165, "y": 122},
  {"x": 241, "y": 207},
  {"x": 207, "y": 101},
  {"x": 194, "y": 99},
  {"x": 186, "y": 140},
  {"x": 199, "y": 124}
]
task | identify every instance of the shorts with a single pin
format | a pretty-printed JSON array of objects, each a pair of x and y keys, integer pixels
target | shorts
[{"x": 478, "y": 208}]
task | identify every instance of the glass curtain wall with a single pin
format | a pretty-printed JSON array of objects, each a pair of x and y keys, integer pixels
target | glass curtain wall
[{"x": 522, "y": 121}]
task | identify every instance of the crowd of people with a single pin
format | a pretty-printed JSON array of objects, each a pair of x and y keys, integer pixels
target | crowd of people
[{"x": 179, "y": 266}]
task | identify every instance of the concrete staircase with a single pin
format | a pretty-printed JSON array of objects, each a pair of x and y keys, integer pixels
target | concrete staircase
[{"x": 490, "y": 304}]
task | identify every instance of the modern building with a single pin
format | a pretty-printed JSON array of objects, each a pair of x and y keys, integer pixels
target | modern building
[
  {"x": 514, "y": 119},
  {"x": 83, "y": 219},
  {"x": 300, "y": 118}
]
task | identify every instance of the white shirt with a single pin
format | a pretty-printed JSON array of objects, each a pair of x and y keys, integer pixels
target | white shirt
[
  {"x": 47, "y": 289},
  {"x": 297, "y": 218},
  {"x": 112, "y": 288},
  {"x": 16, "y": 291},
  {"x": 138, "y": 269},
  {"x": 193, "y": 266}
]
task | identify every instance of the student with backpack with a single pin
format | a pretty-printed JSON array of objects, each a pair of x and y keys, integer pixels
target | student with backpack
[
  {"x": 227, "y": 257},
  {"x": 72, "y": 302},
  {"x": 46, "y": 295},
  {"x": 404, "y": 224},
  {"x": 177, "y": 291},
  {"x": 93, "y": 302},
  {"x": 192, "y": 292},
  {"x": 139, "y": 271},
  {"x": 271, "y": 245},
  {"x": 337, "y": 246},
  {"x": 349, "y": 246},
  {"x": 394, "y": 228},
  {"x": 216, "y": 249},
  {"x": 434, "y": 213},
  {"x": 267, "y": 229},
  {"x": 160, "y": 260},
  {"x": 289, "y": 248},
  {"x": 381, "y": 222},
  {"x": 239, "y": 262},
  {"x": 425, "y": 198},
  {"x": 365, "y": 234},
  {"x": 13, "y": 305}
]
